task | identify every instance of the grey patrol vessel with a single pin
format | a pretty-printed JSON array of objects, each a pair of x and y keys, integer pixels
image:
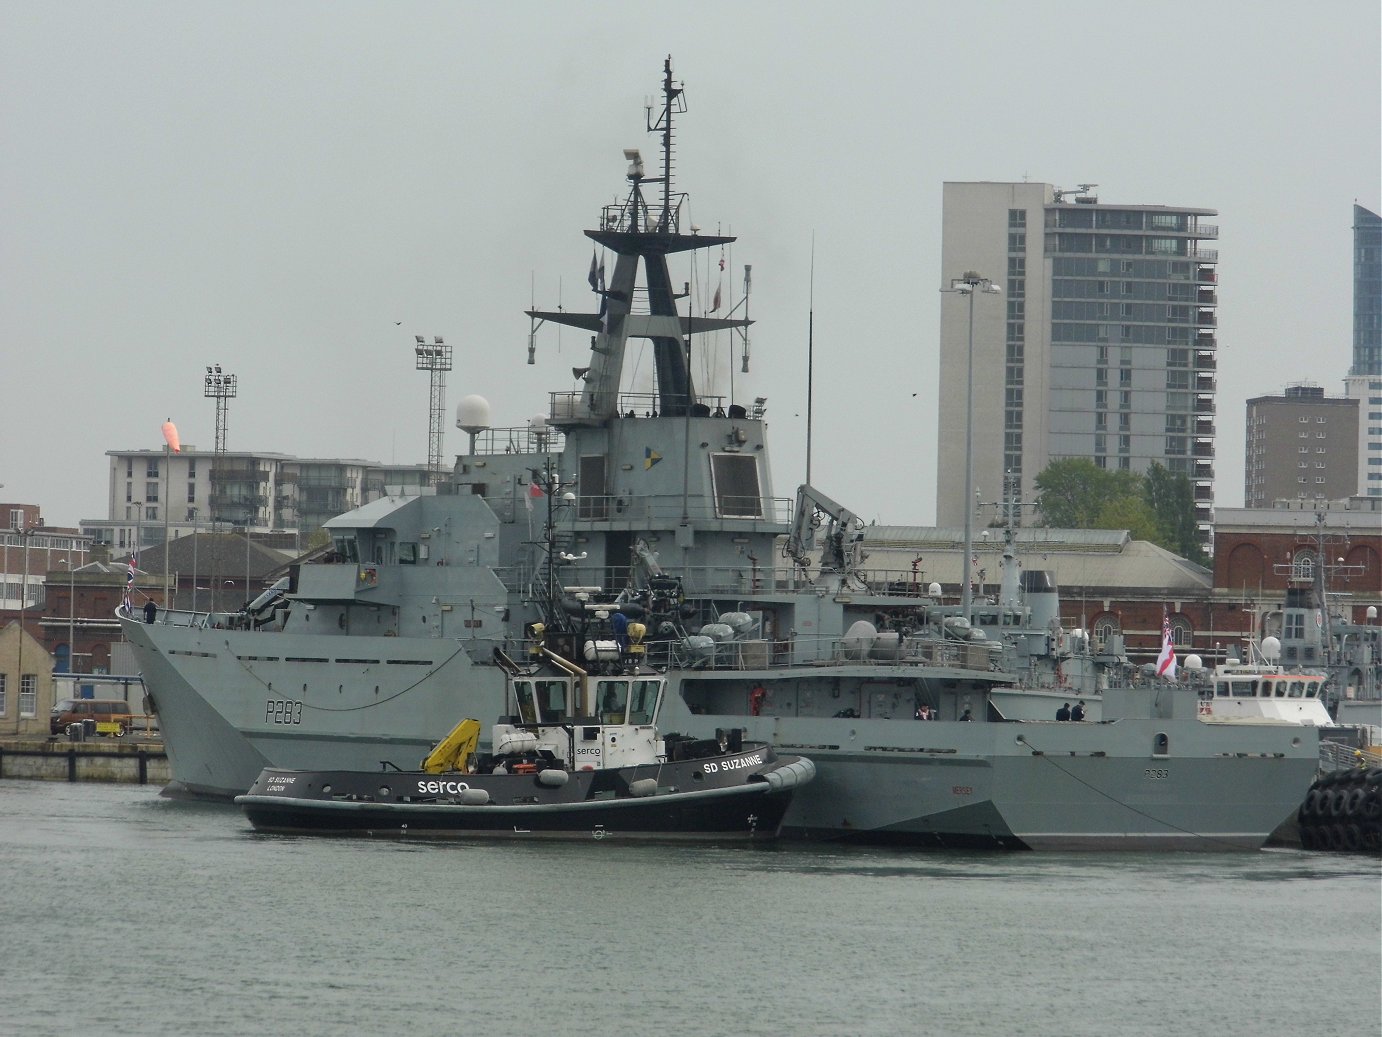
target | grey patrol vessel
[{"x": 658, "y": 507}]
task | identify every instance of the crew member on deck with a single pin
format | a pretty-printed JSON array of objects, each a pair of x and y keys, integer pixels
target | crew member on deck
[
  {"x": 1077, "y": 710},
  {"x": 1064, "y": 712},
  {"x": 756, "y": 697}
]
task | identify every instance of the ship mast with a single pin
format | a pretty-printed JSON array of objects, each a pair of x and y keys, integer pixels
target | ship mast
[{"x": 636, "y": 234}]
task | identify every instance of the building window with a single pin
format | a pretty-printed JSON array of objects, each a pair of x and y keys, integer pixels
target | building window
[
  {"x": 28, "y": 695},
  {"x": 151, "y": 492},
  {"x": 1017, "y": 217},
  {"x": 1017, "y": 241},
  {"x": 4, "y": 704},
  {"x": 151, "y": 468}
]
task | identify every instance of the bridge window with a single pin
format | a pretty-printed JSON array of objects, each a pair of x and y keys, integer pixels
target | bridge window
[{"x": 735, "y": 481}]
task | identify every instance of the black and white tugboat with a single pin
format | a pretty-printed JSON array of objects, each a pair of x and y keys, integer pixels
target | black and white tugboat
[{"x": 579, "y": 757}]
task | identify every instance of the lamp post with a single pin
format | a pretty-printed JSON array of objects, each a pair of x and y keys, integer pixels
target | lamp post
[
  {"x": 192, "y": 514},
  {"x": 71, "y": 616},
  {"x": 24, "y": 535},
  {"x": 969, "y": 284}
]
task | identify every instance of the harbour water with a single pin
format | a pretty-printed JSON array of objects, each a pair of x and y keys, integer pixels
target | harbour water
[{"x": 126, "y": 913}]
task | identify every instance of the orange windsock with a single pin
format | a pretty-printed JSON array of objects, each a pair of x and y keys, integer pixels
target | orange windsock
[{"x": 170, "y": 436}]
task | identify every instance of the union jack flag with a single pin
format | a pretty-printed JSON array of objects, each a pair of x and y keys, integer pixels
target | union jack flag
[
  {"x": 1166, "y": 661},
  {"x": 129, "y": 575}
]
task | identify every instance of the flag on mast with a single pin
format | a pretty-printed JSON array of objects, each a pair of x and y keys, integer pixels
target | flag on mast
[
  {"x": 129, "y": 573},
  {"x": 1166, "y": 661}
]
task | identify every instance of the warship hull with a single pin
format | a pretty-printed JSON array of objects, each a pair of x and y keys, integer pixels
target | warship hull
[{"x": 1153, "y": 783}]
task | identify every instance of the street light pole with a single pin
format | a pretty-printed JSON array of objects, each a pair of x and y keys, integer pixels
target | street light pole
[
  {"x": 969, "y": 284},
  {"x": 71, "y": 616}
]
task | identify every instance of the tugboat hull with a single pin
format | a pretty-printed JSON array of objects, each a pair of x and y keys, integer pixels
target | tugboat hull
[{"x": 742, "y": 796}]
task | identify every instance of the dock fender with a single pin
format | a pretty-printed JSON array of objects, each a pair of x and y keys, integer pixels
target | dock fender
[
  {"x": 643, "y": 787},
  {"x": 553, "y": 778}
]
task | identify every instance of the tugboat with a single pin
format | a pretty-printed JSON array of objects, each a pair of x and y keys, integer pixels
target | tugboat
[{"x": 579, "y": 757}]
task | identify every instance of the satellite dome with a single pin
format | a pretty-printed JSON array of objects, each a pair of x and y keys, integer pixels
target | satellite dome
[
  {"x": 472, "y": 414},
  {"x": 1271, "y": 649},
  {"x": 1194, "y": 662}
]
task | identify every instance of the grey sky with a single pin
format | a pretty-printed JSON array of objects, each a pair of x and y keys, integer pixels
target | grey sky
[{"x": 272, "y": 186}]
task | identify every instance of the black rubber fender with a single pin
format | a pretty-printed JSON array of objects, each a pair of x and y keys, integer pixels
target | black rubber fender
[
  {"x": 1354, "y": 806},
  {"x": 1352, "y": 838}
]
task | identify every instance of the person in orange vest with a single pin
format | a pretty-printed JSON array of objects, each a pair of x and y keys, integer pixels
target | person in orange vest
[{"x": 756, "y": 697}]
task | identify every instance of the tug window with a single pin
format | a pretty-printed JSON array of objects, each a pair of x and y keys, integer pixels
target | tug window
[
  {"x": 643, "y": 702},
  {"x": 551, "y": 700},
  {"x": 613, "y": 698},
  {"x": 527, "y": 711}
]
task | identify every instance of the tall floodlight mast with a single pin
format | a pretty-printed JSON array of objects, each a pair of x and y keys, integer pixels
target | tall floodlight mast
[
  {"x": 220, "y": 387},
  {"x": 436, "y": 360}
]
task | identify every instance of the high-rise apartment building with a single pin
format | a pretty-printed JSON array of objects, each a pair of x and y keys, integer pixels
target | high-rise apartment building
[
  {"x": 1102, "y": 345},
  {"x": 1300, "y": 445},
  {"x": 1364, "y": 381}
]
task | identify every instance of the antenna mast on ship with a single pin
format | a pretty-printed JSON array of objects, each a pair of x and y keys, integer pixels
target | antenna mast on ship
[{"x": 634, "y": 233}]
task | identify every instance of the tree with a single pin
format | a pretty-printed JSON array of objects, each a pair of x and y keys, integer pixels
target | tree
[
  {"x": 1172, "y": 500},
  {"x": 1074, "y": 491},
  {"x": 1159, "y": 507},
  {"x": 1133, "y": 514}
]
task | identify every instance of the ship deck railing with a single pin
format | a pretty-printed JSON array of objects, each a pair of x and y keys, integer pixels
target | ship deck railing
[
  {"x": 751, "y": 654},
  {"x": 623, "y": 510},
  {"x": 741, "y": 581},
  {"x": 1341, "y": 756}
]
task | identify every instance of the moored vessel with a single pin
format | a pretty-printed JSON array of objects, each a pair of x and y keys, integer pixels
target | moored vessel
[
  {"x": 617, "y": 506},
  {"x": 579, "y": 757}
]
